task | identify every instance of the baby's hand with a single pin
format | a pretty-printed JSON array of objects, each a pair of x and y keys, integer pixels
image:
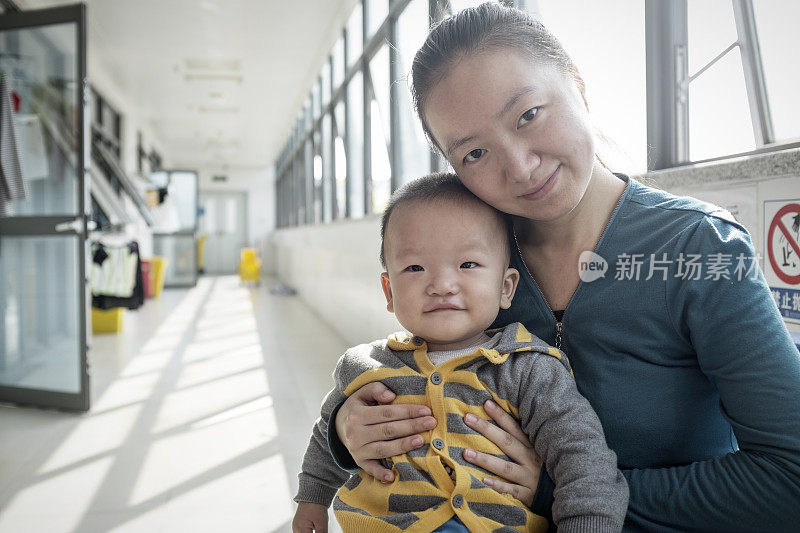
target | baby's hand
[{"x": 310, "y": 517}]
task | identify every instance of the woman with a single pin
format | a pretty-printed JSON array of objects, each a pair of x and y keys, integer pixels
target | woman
[{"x": 690, "y": 370}]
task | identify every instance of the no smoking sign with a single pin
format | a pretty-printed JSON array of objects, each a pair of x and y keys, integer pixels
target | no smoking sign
[
  {"x": 783, "y": 244},
  {"x": 782, "y": 251}
]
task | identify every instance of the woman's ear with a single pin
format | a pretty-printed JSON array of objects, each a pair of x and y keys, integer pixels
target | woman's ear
[
  {"x": 510, "y": 280},
  {"x": 387, "y": 291},
  {"x": 580, "y": 84}
]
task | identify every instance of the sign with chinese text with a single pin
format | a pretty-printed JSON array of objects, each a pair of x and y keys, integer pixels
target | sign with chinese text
[{"x": 782, "y": 255}]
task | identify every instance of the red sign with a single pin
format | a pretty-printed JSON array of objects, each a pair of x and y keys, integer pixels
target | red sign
[{"x": 791, "y": 240}]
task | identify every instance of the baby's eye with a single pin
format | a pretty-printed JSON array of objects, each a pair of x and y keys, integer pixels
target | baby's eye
[
  {"x": 527, "y": 116},
  {"x": 468, "y": 264},
  {"x": 414, "y": 268},
  {"x": 474, "y": 155}
]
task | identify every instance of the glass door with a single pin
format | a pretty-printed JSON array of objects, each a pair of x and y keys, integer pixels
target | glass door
[
  {"x": 43, "y": 205},
  {"x": 224, "y": 222}
]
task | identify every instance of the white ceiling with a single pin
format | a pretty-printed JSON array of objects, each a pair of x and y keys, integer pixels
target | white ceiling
[{"x": 219, "y": 82}]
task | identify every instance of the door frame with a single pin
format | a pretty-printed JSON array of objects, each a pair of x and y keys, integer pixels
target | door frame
[{"x": 46, "y": 225}]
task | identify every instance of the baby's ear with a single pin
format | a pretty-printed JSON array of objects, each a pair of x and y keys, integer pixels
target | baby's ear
[
  {"x": 510, "y": 280},
  {"x": 387, "y": 291}
]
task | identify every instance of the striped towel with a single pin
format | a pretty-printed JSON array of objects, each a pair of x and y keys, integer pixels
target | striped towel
[{"x": 12, "y": 184}]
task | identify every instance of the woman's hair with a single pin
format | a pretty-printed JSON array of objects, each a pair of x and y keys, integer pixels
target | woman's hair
[{"x": 479, "y": 29}]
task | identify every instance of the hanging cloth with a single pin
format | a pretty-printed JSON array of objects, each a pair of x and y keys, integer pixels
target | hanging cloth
[
  {"x": 127, "y": 267},
  {"x": 12, "y": 183}
]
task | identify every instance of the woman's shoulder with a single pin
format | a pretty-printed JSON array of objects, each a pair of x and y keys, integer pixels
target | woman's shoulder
[
  {"x": 652, "y": 219},
  {"x": 659, "y": 208}
]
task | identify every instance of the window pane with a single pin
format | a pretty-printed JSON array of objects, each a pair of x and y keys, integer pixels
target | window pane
[
  {"x": 326, "y": 82},
  {"x": 355, "y": 35},
  {"x": 327, "y": 169},
  {"x": 341, "y": 178},
  {"x": 309, "y": 181},
  {"x": 316, "y": 97},
  {"x": 341, "y": 161},
  {"x": 38, "y": 284},
  {"x": 377, "y": 11},
  {"x": 381, "y": 169},
  {"x": 412, "y": 28},
  {"x": 338, "y": 63},
  {"x": 719, "y": 120},
  {"x": 355, "y": 146},
  {"x": 776, "y": 23},
  {"x": 711, "y": 29},
  {"x": 607, "y": 45},
  {"x": 183, "y": 190},
  {"x": 43, "y": 75},
  {"x": 380, "y": 130},
  {"x": 317, "y": 199}
]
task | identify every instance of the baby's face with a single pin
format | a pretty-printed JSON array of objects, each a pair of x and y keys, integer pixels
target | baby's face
[{"x": 447, "y": 273}]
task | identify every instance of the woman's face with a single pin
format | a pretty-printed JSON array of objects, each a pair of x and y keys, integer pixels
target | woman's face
[{"x": 517, "y": 132}]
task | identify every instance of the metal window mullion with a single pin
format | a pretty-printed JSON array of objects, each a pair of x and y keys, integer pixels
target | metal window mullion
[
  {"x": 308, "y": 167},
  {"x": 760, "y": 114},
  {"x": 395, "y": 96},
  {"x": 348, "y": 131},
  {"x": 367, "y": 101},
  {"x": 332, "y": 134},
  {"x": 666, "y": 37}
]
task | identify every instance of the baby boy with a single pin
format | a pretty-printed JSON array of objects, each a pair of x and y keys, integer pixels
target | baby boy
[{"x": 446, "y": 255}]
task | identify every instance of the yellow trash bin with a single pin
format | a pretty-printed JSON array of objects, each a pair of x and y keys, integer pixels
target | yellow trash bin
[
  {"x": 107, "y": 321},
  {"x": 249, "y": 265},
  {"x": 158, "y": 266},
  {"x": 201, "y": 246}
]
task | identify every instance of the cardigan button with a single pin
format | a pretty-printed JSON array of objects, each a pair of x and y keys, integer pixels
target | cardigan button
[
  {"x": 438, "y": 444},
  {"x": 436, "y": 378},
  {"x": 458, "y": 500},
  {"x": 417, "y": 340}
]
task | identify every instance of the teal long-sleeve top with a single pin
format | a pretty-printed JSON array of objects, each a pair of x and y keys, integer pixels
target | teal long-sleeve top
[{"x": 696, "y": 381}]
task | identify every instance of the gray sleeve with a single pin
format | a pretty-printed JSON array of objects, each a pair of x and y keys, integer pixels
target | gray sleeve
[
  {"x": 320, "y": 477},
  {"x": 590, "y": 494}
]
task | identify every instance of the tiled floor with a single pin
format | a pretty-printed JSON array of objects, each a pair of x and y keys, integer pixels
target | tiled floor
[{"x": 201, "y": 411}]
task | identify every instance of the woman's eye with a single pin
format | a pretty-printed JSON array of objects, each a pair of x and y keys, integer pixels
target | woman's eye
[
  {"x": 414, "y": 268},
  {"x": 474, "y": 155},
  {"x": 468, "y": 264},
  {"x": 527, "y": 116}
]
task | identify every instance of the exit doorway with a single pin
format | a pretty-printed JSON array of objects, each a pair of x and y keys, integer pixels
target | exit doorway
[{"x": 223, "y": 220}]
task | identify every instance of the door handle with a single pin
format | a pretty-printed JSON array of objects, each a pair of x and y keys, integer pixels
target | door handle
[{"x": 76, "y": 225}]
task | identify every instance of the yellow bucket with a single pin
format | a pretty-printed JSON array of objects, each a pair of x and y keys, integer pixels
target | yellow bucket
[
  {"x": 109, "y": 321},
  {"x": 157, "y": 267}
]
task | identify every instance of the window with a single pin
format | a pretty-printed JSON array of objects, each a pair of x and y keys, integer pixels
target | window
[
  {"x": 776, "y": 23},
  {"x": 355, "y": 146}
]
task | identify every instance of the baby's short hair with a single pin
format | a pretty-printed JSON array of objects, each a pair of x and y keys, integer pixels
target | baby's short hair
[{"x": 437, "y": 187}]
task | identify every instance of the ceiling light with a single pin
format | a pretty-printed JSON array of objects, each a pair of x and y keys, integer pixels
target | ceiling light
[
  {"x": 214, "y": 77},
  {"x": 218, "y": 65}
]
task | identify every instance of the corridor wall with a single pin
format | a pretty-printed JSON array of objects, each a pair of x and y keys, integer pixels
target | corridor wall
[{"x": 336, "y": 271}]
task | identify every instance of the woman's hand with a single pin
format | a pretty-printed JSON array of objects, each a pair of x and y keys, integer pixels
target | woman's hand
[
  {"x": 520, "y": 476},
  {"x": 372, "y": 430}
]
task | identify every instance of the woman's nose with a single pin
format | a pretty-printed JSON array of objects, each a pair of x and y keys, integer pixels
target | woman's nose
[{"x": 520, "y": 163}]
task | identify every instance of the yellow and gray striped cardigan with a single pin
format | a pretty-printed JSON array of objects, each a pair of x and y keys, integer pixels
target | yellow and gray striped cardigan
[{"x": 522, "y": 374}]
